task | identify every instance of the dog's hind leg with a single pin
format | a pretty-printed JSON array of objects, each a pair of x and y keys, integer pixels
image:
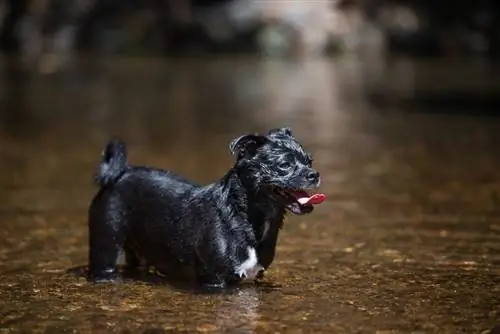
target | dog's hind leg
[{"x": 106, "y": 241}]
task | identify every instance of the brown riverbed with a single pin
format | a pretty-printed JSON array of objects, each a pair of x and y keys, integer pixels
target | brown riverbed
[{"x": 407, "y": 242}]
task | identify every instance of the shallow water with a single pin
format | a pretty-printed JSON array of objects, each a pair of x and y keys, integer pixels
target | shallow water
[{"x": 407, "y": 242}]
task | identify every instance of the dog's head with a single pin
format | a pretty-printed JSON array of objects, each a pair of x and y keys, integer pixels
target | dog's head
[{"x": 277, "y": 165}]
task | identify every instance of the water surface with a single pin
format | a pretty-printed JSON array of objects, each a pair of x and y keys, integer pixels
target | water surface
[{"x": 408, "y": 241}]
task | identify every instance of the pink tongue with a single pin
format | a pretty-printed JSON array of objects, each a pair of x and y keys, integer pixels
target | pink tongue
[{"x": 314, "y": 199}]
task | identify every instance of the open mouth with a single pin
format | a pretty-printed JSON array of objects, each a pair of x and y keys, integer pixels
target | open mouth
[{"x": 300, "y": 201}]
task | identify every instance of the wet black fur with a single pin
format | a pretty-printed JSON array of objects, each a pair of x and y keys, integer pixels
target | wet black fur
[{"x": 194, "y": 232}]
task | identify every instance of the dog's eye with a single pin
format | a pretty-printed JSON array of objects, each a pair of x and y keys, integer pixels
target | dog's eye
[{"x": 284, "y": 165}]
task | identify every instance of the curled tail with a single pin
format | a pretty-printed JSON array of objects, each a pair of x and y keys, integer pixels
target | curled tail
[{"x": 113, "y": 163}]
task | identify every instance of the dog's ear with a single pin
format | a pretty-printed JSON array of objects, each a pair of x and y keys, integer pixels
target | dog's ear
[
  {"x": 281, "y": 132},
  {"x": 248, "y": 143}
]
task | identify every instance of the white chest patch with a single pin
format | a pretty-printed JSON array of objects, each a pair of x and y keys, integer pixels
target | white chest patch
[{"x": 250, "y": 267}]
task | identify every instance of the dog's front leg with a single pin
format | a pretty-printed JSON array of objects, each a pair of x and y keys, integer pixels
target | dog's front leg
[
  {"x": 210, "y": 280},
  {"x": 209, "y": 274},
  {"x": 211, "y": 264},
  {"x": 266, "y": 249}
]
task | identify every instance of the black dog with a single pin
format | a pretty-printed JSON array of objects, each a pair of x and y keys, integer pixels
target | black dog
[{"x": 215, "y": 234}]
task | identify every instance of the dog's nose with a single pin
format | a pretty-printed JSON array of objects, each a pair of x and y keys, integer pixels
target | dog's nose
[{"x": 312, "y": 176}]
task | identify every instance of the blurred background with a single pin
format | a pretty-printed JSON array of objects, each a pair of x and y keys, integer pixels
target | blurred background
[
  {"x": 47, "y": 31},
  {"x": 397, "y": 101}
]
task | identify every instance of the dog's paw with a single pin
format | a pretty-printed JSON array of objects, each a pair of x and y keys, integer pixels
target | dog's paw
[
  {"x": 208, "y": 288},
  {"x": 251, "y": 273},
  {"x": 256, "y": 271},
  {"x": 105, "y": 276},
  {"x": 109, "y": 279},
  {"x": 250, "y": 267},
  {"x": 260, "y": 275},
  {"x": 214, "y": 285}
]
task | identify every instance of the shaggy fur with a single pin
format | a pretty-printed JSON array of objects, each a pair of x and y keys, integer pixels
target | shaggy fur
[{"x": 214, "y": 235}]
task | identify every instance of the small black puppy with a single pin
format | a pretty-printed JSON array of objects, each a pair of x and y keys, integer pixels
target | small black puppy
[{"x": 215, "y": 234}]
